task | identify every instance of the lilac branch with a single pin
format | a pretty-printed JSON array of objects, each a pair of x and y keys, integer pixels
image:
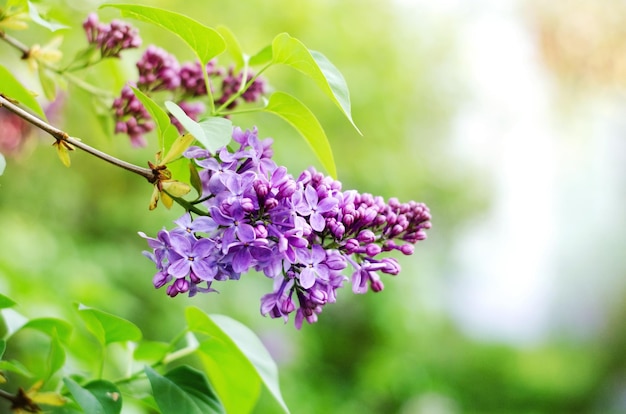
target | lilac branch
[{"x": 59, "y": 135}]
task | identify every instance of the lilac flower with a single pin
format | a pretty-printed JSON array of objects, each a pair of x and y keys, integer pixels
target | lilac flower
[
  {"x": 314, "y": 268},
  {"x": 231, "y": 84},
  {"x": 201, "y": 224},
  {"x": 158, "y": 70},
  {"x": 131, "y": 117},
  {"x": 192, "y": 80},
  {"x": 302, "y": 233},
  {"x": 110, "y": 38},
  {"x": 193, "y": 257},
  {"x": 237, "y": 226},
  {"x": 307, "y": 203}
]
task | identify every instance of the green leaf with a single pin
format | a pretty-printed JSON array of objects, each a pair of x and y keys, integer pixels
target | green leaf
[
  {"x": 15, "y": 366},
  {"x": 213, "y": 133},
  {"x": 232, "y": 46},
  {"x": 204, "y": 41},
  {"x": 6, "y": 302},
  {"x": 151, "y": 351},
  {"x": 47, "y": 83},
  {"x": 3, "y": 164},
  {"x": 194, "y": 178},
  {"x": 97, "y": 397},
  {"x": 108, "y": 328},
  {"x": 236, "y": 360},
  {"x": 291, "y": 52},
  {"x": 263, "y": 57},
  {"x": 302, "y": 119},
  {"x": 179, "y": 146},
  {"x": 51, "y": 327},
  {"x": 56, "y": 355},
  {"x": 3, "y": 347},
  {"x": 167, "y": 131},
  {"x": 36, "y": 18},
  {"x": 12, "y": 89},
  {"x": 183, "y": 390},
  {"x": 180, "y": 170}
]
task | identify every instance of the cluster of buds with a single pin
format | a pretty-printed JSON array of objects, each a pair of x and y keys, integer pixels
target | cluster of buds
[
  {"x": 110, "y": 38},
  {"x": 302, "y": 233},
  {"x": 160, "y": 71}
]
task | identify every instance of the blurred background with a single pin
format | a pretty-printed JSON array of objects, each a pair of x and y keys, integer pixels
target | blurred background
[{"x": 506, "y": 118}]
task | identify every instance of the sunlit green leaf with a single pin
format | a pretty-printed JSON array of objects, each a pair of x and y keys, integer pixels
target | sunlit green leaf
[
  {"x": 12, "y": 89},
  {"x": 290, "y": 51},
  {"x": 183, "y": 390},
  {"x": 51, "y": 327},
  {"x": 204, "y": 41},
  {"x": 167, "y": 131},
  {"x": 179, "y": 146},
  {"x": 56, "y": 355},
  {"x": 36, "y": 18},
  {"x": 232, "y": 46},
  {"x": 151, "y": 351},
  {"x": 180, "y": 170},
  {"x": 3, "y": 347},
  {"x": 302, "y": 119},
  {"x": 108, "y": 328},
  {"x": 263, "y": 57},
  {"x": 237, "y": 362},
  {"x": 3, "y": 164},
  {"x": 213, "y": 133},
  {"x": 97, "y": 397},
  {"x": 5, "y": 302}
]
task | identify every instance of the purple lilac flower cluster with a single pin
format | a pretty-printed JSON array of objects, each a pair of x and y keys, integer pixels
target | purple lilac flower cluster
[
  {"x": 160, "y": 71},
  {"x": 300, "y": 232},
  {"x": 131, "y": 117},
  {"x": 110, "y": 38}
]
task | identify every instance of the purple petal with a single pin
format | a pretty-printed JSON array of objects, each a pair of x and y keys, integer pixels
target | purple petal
[
  {"x": 318, "y": 222},
  {"x": 307, "y": 277},
  {"x": 204, "y": 269},
  {"x": 245, "y": 232},
  {"x": 179, "y": 268},
  {"x": 203, "y": 248}
]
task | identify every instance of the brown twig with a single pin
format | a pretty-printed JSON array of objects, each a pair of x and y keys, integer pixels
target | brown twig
[{"x": 59, "y": 135}]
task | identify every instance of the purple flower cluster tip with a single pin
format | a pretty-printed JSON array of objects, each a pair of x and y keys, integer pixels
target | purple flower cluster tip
[
  {"x": 160, "y": 71},
  {"x": 304, "y": 233},
  {"x": 110, "y": 38}
]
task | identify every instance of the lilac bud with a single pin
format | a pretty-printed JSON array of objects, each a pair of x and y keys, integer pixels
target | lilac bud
[
  {"x": 287, "y": 306},
  {"x": 161, "y": 278},
  {"x": 348, "y": 220},
  {"x": 372, "y": 249},
  {"x": 366, "y": 236},
  {"x": 260, "y": 231},
  {"x": 270, "y": 203},
  {"x": 392, "y": 267},
  {"x": 407, "y": 249},
  {"x": 377, "y": 285},
  {"x": 351, "y": 246},
  {"x": 318, "y": 297},
  {"x": 261, "y": 189}
]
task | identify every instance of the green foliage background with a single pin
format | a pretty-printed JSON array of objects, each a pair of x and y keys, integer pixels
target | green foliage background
[{"x": 70, "y": 235}]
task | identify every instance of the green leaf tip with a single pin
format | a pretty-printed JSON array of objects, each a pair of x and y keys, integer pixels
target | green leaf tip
[
  {"x": 304, "y": 121},
  {"x": 290, "y": 51},
  {"x": 203, "y": 40}
]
